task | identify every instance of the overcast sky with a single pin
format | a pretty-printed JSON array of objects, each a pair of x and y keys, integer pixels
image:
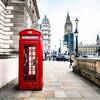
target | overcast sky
[{"x": 87, "y": 11}]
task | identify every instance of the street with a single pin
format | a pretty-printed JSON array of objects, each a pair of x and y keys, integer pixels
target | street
[{"x": 60, "y": 83}]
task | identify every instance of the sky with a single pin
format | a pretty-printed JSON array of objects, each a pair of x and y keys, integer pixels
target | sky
[{"x": 87, "y": 11}]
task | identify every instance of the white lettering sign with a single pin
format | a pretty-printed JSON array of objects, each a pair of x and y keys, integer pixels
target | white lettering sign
[{"x": 29, "y": 37}]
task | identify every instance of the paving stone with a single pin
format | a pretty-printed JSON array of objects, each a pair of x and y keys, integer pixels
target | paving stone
[
  {"x": 24, "y": 94},
  {"x": 43, "y": 94},
  {"x": 60, "y": 94},
  {"x": 6, "y": 95},
  {"x": 17, "y": 99},
  {"x": 73, "y": 88},
  {"x": 73, "y": 94},
  {"x": 56, "y": 98},
  {"x": 32, "y": 98},
  {"x": 54, "y": 88},
  {"x": 53, "y": 84}
]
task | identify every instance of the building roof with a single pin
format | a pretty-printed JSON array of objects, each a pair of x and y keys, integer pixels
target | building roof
[{"x": 45, "y": 20}]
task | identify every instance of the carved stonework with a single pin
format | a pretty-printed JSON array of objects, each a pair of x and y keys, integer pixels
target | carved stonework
[
  {"x": 16, "y": 1},
  {"x": 5, "y": 1}
]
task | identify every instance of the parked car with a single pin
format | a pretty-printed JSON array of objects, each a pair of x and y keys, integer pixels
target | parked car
[
  {"x": 62, "y": 57},
  {"x": 85, "y": 56}
]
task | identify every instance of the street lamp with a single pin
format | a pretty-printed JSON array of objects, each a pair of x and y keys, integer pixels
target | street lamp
[
  {"x": 76, "y": 35},
  {"x": 60, "y": 47}
]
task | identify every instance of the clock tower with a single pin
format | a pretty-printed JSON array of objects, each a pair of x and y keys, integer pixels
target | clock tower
[
  {"x": 69, "y": 36},
  {"x": 68, "y": 25}
]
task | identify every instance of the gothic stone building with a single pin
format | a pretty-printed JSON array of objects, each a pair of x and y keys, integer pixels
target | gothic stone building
[
  {"x": 16, "y": 15},
  {"x": 90, "y": 49},
  {"x": 87, "y": 49}
]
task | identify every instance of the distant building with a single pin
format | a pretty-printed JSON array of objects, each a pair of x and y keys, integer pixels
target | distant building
[
  {"x": 98, "y": 45},
  {"x": 90, "y": 49},
  {"x": 45, "y": 29},
  {"x": 69, "y": 36},
  {"x": 87, "y": 49},
  {"x": 16, "y": 15}
]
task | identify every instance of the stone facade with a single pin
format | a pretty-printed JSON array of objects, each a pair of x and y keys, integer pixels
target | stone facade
[
  {"x": 16, "y": 15},
  {"x": 26, "y": 15},
  {"x": 5, "y": 27},
  {"x": 87, "y": 49}
]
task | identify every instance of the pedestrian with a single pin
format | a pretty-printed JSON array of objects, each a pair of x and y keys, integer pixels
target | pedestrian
[
  {"x": 54, "y": 56},
  {"x": 71, "y": 61},
  {"x": 49, "y": 56},
  {"x": 45, "y": 56}
]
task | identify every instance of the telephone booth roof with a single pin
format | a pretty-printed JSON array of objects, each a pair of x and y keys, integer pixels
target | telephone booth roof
[{"x": 30, "y": 32}]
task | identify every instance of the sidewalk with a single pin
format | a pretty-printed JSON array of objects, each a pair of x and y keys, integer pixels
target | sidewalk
[{"x": 60, "y": 83}]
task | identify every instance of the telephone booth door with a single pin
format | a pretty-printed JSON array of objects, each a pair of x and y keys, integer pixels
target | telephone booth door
[
  {"x": 30, "y": 62},
  {"x": 30, "y": 68}
]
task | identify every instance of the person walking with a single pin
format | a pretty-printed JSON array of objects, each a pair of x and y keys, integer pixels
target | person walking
[
  {"x": 45, "y": 56},
  {"x": 49, "y": 56},
  {"x": 71, "y": 61}
]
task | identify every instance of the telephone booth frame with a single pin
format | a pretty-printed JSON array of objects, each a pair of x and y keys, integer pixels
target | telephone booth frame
[{"x": 30, "y": 74}]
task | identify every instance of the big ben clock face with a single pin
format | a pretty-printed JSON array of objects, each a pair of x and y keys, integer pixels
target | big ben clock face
[{"x": 68, "y": 28}]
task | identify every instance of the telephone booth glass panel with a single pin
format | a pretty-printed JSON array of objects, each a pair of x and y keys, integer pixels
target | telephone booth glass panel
[{"x": 29, "y": 62}]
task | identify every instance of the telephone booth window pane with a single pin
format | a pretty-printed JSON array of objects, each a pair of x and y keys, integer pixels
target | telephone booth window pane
[{"x": 29, "y": 62}]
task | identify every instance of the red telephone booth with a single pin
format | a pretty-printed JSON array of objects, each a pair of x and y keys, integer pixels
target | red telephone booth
[{"x": 30, "y": 60}]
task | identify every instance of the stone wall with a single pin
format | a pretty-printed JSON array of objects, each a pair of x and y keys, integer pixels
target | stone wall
[
  {"x": 89, "y": 68},
  {"x": 5, "y": 27}
]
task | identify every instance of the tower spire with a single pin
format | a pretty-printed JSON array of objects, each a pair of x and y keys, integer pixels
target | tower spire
[
  {"x": 97, "y": 37},
  {"x": 68, "y": 17},
  {"x": 68, "y": 24}
]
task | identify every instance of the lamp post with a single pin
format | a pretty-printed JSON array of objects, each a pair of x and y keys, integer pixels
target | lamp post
[
  {"x": 76, "y": 35},
  {"x": 60, "y": 47}
]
